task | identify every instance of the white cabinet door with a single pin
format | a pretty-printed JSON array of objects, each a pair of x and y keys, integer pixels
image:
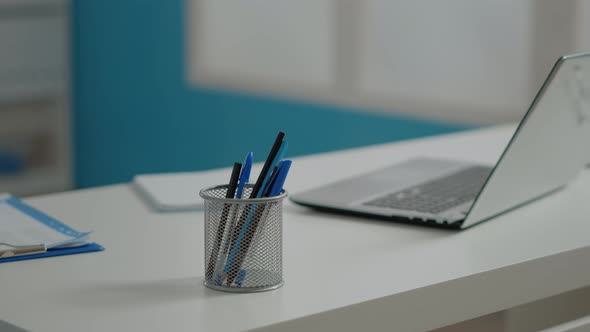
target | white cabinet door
[
  {"x": 32, "y": 56},
  {"x": 262, "y": 44},
  {"x": 457, "y": 52}
]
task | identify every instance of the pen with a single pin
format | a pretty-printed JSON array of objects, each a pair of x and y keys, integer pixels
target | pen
[
  {"x": 275, "y": 186},
  {"x": 250, "y": 225},
  {"x": 267, "y": 165},
  {"x": 257, "y": 187},
  {"x": 281, "y": 176},
  {"x": 271, "y": 180},
  {"x": 274, "y": 164},
  {"x": 274, "y": 190},
  {"x": 245, "y": 175},
  {"x": 231, "y": 189}
]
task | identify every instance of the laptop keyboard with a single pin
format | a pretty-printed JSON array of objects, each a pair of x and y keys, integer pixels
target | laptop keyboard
[{"x": 437, "y": 195}]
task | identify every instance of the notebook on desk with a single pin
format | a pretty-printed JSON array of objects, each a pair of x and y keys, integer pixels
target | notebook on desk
[
  {"x": 168, "y": 192},
  {"x": 175, "y": 191}
]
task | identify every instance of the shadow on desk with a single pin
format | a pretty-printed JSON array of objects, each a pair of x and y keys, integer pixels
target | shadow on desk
[
  {"x": 352, "y": 236},
  {"x": 141, "y": 293}
]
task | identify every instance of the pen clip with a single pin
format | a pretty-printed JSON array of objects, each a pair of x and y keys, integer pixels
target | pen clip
[{"x": 22, "y": 250}]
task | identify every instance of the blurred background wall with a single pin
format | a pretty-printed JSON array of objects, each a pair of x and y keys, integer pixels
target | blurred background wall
[
  {"x": 136, "y": 110},
  {"x": 95, "y": 91}
]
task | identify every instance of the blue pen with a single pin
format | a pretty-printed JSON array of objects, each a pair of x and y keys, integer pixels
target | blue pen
[
  {"x": 281, "y": 176},
  {"x": 245, "y": 175},
  {"x": 271, "y": 181},
  {"x": 246, "y": 225},
  {"x": 277, "y": 174},
  {"x": 240, "y": 278}
]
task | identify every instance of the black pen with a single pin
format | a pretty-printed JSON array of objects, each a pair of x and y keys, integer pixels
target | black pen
[
  {"x": 231, "y": 191},
  {"x": 267, "y": 164}
]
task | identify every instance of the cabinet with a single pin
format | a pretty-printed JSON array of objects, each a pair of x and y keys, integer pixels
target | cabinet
[{"x": 35, "y": 130}]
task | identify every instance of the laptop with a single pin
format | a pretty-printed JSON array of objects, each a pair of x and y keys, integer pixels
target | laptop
[{"x": 545, "y": 153}]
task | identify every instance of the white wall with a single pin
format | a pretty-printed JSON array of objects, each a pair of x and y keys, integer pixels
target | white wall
[
  {"x": 267, "y": 42},
  {"x": 469, "y": 61},
  {"x": 470, "y": 55}
]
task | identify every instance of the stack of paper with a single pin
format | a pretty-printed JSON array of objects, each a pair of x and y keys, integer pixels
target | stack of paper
[
  {"x": 177, "y": 191},
  {"x": 23, "y": 226}
]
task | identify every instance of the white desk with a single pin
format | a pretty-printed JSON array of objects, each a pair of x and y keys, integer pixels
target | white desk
[{"x": 340, "y": 272}]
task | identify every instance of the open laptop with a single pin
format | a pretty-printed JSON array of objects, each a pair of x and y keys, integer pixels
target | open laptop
[{"x": 544, "y": 154}]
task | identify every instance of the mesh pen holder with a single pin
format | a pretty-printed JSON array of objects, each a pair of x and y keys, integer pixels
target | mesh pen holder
[{"x": 243, "y": 241}]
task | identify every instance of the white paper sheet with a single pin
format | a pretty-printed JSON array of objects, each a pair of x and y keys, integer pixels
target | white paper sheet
[
  {"x": 18, "y": 228},
  {"x": 180, "y": 191}
]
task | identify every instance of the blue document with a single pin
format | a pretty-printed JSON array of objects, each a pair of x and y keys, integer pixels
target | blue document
[{"x": 27, "y": 233}]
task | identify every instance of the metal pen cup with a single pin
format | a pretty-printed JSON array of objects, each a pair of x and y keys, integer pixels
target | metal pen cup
[{"x": 243, "y": 241}]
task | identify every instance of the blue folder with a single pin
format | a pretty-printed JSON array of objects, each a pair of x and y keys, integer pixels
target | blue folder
[{"x": 52, "y": 223}]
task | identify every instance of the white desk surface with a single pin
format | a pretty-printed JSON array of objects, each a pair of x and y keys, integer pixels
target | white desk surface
[{"x": 340, "y": 272}]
